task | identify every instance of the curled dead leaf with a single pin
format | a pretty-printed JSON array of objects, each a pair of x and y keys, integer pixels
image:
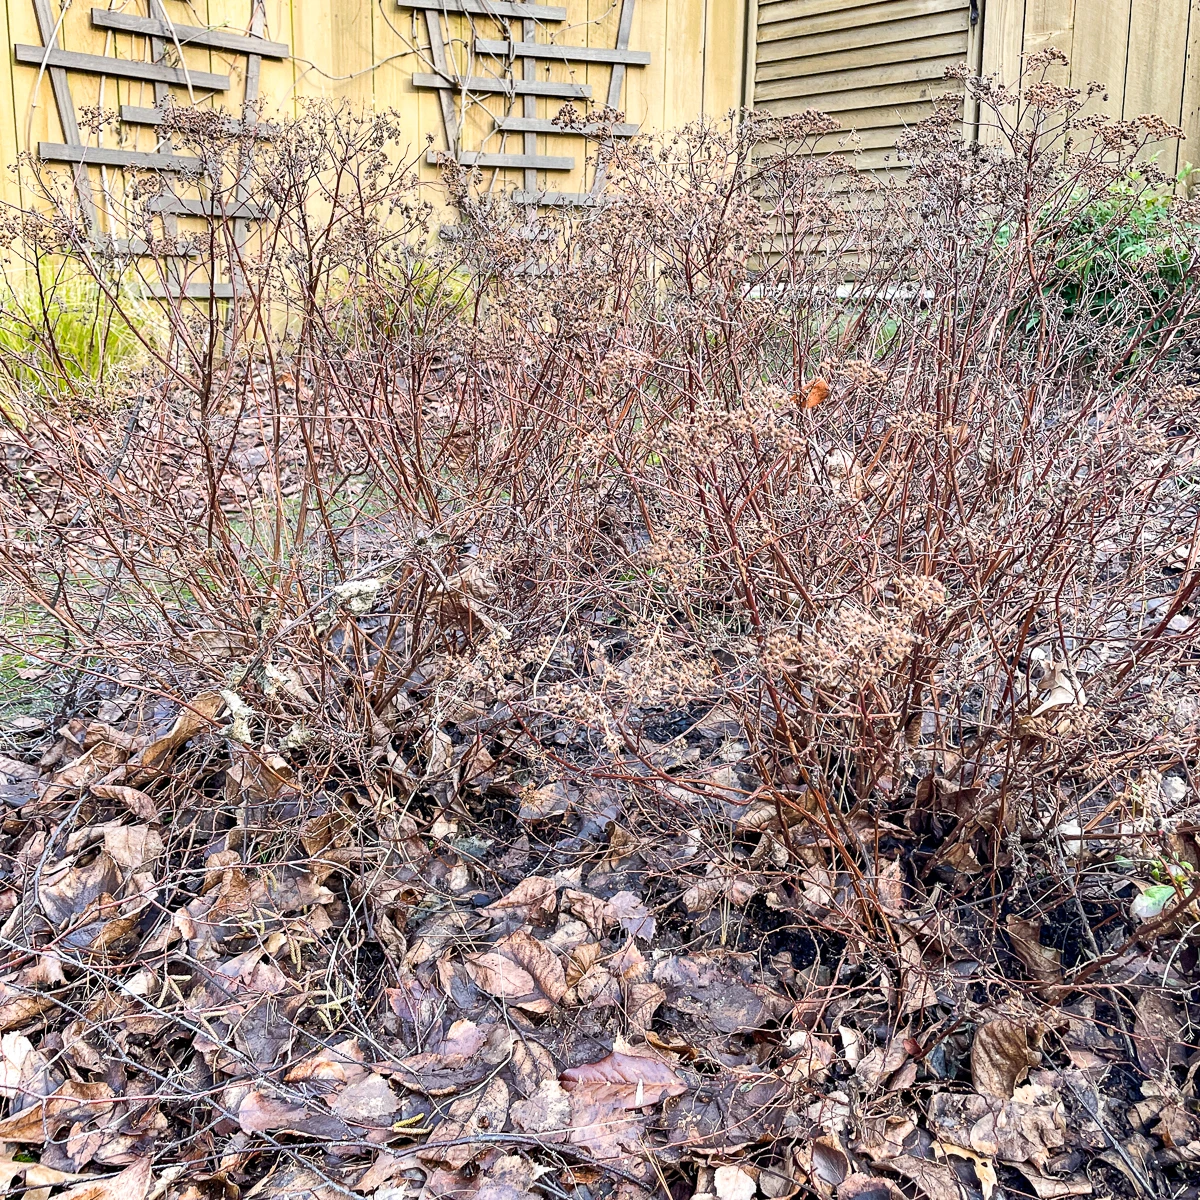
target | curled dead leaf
[
  {"x": 138, "y": 803},
  {"x": 1001, "y": 1056},
  {"x": 1028, "y": 1128}
]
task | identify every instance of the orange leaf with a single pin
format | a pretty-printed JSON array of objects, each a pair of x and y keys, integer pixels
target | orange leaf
[{"x": 815, "y": 393}]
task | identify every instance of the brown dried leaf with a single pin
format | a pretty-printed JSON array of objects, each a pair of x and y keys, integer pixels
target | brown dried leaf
[
  {"x": 624, "y": 1079},
  {"x": 339, "y": 1064},
  {"x": 68, "y": 890},
  {"x": 382, "y": 1171},
  {"x": 1043, "y": 963},
  {"x": 732, "y": 1182},
  {"x": 1054, "y": 1187},
  {"x": 18, "y": 1006},
  {"x": 138, "y": 803},
  {"x": 499, "y": 976},
  {"x": 827, "y": 1165},
  {"x": 811, "y": 1057},
  {"x": 130, "y": 1184},
  {"x": 258, "y": 1112},
  {"x": 541, "y": 803},
  {"x": 194, "y": 718},
  {"x": 539, "y": 961},
  {"x": 547, "y": 1111},
  {"x": 1157, "y": 1027},
  {"x": 641, "y": 1003},
  {"x": 366, "y": 1101},
  {"x": 1029, "y": 1128},
  {"x": 133, "y": 847},
  {"x": 916, "y": 983},
  {"x": 1001, "y": 1057},
  {"x": 591, "y": 910},
  {"x": 634, "y": 917},
  {"x": 90, "y": 766},
  {"x": 581, "y": 961},
  {"x": 861, "y": 1186},
  {"x": 71, "y": 1102},
  {"x": 534, "y": 899},
  {"x": 935, "y": 1179}
]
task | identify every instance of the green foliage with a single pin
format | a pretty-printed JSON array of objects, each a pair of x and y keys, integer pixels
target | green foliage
[
  {"x": 1121, "y": 259},
  {"x": 1124, "y": 257},
  {"x": 62, "y": 336}
]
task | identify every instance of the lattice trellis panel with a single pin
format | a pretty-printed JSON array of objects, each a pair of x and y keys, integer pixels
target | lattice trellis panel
[
  {"x": 517, "y": 56},
  {"x": 163, "y": 69}
]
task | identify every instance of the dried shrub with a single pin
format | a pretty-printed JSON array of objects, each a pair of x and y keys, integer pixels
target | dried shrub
[{"x": 836, "y": 533}]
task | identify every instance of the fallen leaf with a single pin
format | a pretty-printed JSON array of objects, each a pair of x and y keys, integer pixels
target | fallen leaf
[
  {"x": 1157, "y": 1032},
  {"x": 541, "y": 803},
  {"x": 1028, "y": 1128},
  {"x": 632, "y": 915},
  {"x": 547, "y": 1111},
  {"x": 131, "y": 1184},
  {"x": 15, "y": 1048},
  {"x": 258, "y": 1112},
  {"x": 133, "y": 848},
  {"x": 1001, "y": 1057},
  {"x": 935, "y": 1179},
  {"x": 1053, "y": 1187},
  {"x": 985, "y": 1169},
  {"x": 534, "y": 899},
  {"x": 861, "y": 1186},
  {"x": 877, "y": 1065},
  {"x": 811, "y": 1057},
  {"x": 520, "y": 970},
  {"x": 366, "y": 1101},
  {"x": 194, "y": 717},
  {"x": 1044, "y": 963},
  {"x": 1062, "y": 689},
  {"x": 18, "y": 1006},
  {"x": 642, "y": 1001},
  {"x": 138, "y": 803},
  {"x": 539, "y": 961},
  {"x": 455, "y": 1143},
  {"x": 604, "y": 1092},
  {"x": 591, "y": 910},
  {"x": 828, "y": 1165},
  {"x": 815, "y": 392},
  {"x": 68, "y": 889},
  {"x": 734, "y": 1183},
  {"x": 71, "y": 1102}
]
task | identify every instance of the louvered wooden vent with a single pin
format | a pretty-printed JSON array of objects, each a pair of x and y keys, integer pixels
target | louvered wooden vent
[{"x": 876, "y": 67}]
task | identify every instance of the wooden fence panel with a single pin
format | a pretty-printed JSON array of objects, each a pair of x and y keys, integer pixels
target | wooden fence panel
[
  {"x": 878, "y": 64},
  {"x": 1145, "y": 52}
]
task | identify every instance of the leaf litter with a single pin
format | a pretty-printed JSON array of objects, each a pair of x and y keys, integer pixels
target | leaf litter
[{"x": 454, "y": 997}]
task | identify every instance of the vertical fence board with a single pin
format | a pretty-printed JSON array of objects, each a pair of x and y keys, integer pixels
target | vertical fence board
[
  {"x": 1100, "y": 53},
  {"x": 1189, "y": 152},
  {"x": 1154, "y": 73},
  {"x": 724, "y": 40},
  {"x": 1003, "y": 37},
  {"x": 10, "y": 146},
  {"x": 683, "y": 55}
]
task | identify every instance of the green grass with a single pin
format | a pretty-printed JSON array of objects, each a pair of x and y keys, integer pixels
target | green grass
[{"x": 62, "y": 337}]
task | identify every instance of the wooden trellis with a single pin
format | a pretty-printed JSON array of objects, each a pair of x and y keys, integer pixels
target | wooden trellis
[
  {"x": 163, "y": 37},
  {"x": 456, "y": 89}
]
